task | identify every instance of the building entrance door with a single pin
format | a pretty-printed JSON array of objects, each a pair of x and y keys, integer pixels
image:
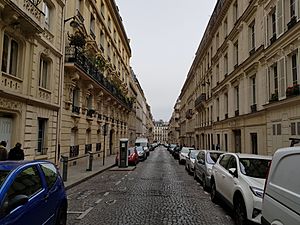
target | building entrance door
[
  {"x": 237, "y": 141},
  {"x": 6, "y": 130}
]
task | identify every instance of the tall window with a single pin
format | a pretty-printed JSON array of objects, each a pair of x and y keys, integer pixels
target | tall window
[
  {"x": 225, "y": 27},
  {"x": 76, "y": 97},
  {"x": 252, "y": 36},
  {"x": 10, "y": 55},
  {"x": 217, "y": 41},
  {"x": 273, "y": 23},
  {"x": 46, "y": 11},
  {"x": 217, "y": 74},
  {"x": 292, "y": 8},
  {"x": 275, "y": 78},
  {"x": 226, "y": 104},
  {"x": 236, "y": 53},
  {"x": 237, "y": 98},
  {"x": 253, "y": 90},
  {"x": 235, "y": 11},
  {"x": 254, "y": 147},
  {"x": 226, "y": 64},
  {"x": 41, "y": 134},
  {"x": 218, "y": 108},
  {"x": 294, "y": 69},
  {"x": 44, "y": 73},
  {"x": 92, "y": 26},
  {"x": 226, "y": 142}
]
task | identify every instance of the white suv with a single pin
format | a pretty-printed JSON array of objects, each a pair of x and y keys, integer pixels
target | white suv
[{"x": 239, "y": 180}]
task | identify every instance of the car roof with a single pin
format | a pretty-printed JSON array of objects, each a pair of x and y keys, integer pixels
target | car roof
[
  {"x": 11, "y": 165},
  {"x": 250, "y": 156}
]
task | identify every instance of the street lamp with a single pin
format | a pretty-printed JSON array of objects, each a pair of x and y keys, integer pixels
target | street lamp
[
  {"x": 104, "y": 129},
  {"x": 73, "y": 23}
]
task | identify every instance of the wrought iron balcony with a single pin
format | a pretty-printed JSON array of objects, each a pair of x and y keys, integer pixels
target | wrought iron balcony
[
  {"x": 76, "y": 109},
  {"x": 87, "y": 148},
  {"x": 200, "y": 101},
  {"x": 75, "y": 55},
  {"x": 226, "y": 115},
  {"x": 90, "y": 112},
  {"x": 253, "y": 108},
  {"x": 292, "y": 22},
  {"x": 74, "y": 151},
  {"x": 237, "y": 112}
]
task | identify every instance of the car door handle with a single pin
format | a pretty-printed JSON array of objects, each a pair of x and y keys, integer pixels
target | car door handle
[{"x": 223, "y": 175}]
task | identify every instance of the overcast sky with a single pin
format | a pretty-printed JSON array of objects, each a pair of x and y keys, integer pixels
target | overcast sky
[{"x": 164, "y": 35}]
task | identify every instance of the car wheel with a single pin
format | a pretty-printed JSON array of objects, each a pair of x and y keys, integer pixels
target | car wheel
[
  {"x": 240, "y": 214},
  {"x": 213, "y": 193},
  {"x": 61, "y": 218}
]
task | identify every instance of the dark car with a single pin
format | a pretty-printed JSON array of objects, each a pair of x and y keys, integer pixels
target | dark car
[
  {"x": 141, "y": 153},
  {"x": 31, "y": 193},
  {"x": 176, "y": 152}
]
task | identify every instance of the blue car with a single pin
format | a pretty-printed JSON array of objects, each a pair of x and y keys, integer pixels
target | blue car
[{"x": 31, "y": 193}]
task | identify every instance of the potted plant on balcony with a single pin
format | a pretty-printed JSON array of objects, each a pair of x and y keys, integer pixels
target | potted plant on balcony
[{"x": 77, "y": 39}]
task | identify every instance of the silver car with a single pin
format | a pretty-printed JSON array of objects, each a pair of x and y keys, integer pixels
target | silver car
[
  {"x": 190, "y": 161},
  {"x": 203, "y": 166}
]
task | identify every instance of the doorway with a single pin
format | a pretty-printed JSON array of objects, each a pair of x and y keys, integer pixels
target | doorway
[{"x": 237, "y": 141}]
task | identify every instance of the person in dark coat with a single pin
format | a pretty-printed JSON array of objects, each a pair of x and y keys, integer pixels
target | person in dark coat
[
  {"x": 3, "y": 151},
  {"x": 16, "y": 153}
]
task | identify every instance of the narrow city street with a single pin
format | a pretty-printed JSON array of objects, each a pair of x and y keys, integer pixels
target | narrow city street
[{"x": 159, "y": 191}]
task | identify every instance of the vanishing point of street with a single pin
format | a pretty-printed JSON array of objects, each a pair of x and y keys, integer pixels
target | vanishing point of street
[{"x": 158, "y": 191}]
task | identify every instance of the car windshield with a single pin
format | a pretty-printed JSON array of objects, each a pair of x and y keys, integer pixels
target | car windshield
[
  {"x": 185, "y": 150},
  {"x": 257, "y": 168},
  {"x": 194, "y": 153},
  {"x": 212, "y": 157},
  {"x": 140, "y": 149},
  {"x": 3, "y": 175}
]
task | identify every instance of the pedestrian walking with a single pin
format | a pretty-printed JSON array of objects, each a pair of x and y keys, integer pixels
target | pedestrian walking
[
  {"x": 16, "y": 153},
  {"x": 3, "y": 151}
]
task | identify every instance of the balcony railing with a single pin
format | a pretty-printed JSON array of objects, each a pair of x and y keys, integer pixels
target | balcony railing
[
  {"x": 253, "y": 108},
  {"x": 292, "y": 22},
  {"x": 200, "y": 100},
  {"x": 76, "y": 109},
  {"x": 74, "y": 151},
  {"x": 90, "y": 112},
  {"x": 87, "y": 148},
  {"x": 76, "y": 56},
  {"x": 226, "y": 115},
  {"x": 293, "y": 90},
  {"x": 237, "y": 112}
]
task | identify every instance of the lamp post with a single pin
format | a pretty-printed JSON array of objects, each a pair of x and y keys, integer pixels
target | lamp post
[{"x": 104, "y": 129}]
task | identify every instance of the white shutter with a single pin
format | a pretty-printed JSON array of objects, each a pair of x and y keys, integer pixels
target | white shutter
[
  {"x": 280, "y": 17},
  {"x": 281, "y": 78}
]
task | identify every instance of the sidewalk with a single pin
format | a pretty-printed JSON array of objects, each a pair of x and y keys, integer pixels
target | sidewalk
[{"x": 78, "y": 173}]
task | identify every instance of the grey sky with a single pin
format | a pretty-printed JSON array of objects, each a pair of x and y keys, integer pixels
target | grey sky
[{"x": 164, "y": 37}]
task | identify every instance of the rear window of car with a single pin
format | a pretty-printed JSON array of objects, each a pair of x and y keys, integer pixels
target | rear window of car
[
  {"x": 50, "y": 173},
  {"x": 257, "y": 168},
  {"x": 212, "y": 157},
  {"x": 139, "y": 148},
  {"x": 3, "y": 175},
  {"x": 185, "y": 150}
]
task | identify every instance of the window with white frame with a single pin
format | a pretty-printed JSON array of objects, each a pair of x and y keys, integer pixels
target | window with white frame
[
  {"x": 253, "y": 89},
  {"x": 276, "y": 129},
  {"x": 236, "y": 53},
  {"x": 235, "y": 11},
  {"x": 225, "y": 24},
  {"x": 46, "y": 11},
  {"x": 10, "y": 55},
  {"x": 294, "y": 68},
  {"x": 44, "y": 73},
  {"x": 295, "y": 128},
  {"x": 252, "y": 36},
  {"x": 292, "y": 8},
  {"x": 42, "y": 124},
  {"x": 273, "y": 79}
]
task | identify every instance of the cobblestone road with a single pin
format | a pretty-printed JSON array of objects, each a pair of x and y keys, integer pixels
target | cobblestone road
[{"x": 159, "y": 191}]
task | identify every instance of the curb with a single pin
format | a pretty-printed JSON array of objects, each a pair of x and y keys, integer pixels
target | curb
[{"x": 88, "y": 177}]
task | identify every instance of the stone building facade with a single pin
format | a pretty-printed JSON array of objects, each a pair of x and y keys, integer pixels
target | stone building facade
[
  {"x": 96, "y": 104},
  {"x": 161, "y": 131},
  {"x": 31, "y": 66},
  {"x": 242, "y": 90}
]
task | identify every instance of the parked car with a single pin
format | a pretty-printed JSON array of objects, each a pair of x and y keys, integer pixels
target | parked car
[
  {"x": 239, "y": 180},
  {"x": 281, "y": 202},
  {"x": 141, "y": 152},
  {"x": 176, "y": 152},
  {"x": 203, "y": 166},
  {"x": 171, "y": 148},
  {"x": 190, "y": 161},
  {"x": 31, "y": 193},
  {"x": 140, "y": 141},
  {"x": 183, "y": 154},
  {"x": 133, "y": 156}
]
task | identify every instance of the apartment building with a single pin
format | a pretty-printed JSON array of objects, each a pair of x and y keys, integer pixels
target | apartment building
[
  {"x": 242, "y": 90},
  {"x": 161, "y": 131},
  {"x": 174, "y": 127},
  {"x": 96, "y": 103},
  {"x": 31, "y": 66}
]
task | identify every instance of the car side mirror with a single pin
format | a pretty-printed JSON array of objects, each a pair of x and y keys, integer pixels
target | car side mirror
[
  {"x": 17, "y": 201},
  {"x": 233, "y": 172}
]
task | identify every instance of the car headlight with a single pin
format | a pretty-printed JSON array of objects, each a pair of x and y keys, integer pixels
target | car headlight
[{"x": 257, "y": 191}]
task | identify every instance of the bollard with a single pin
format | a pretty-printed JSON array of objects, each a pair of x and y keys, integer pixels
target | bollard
[
  {"x": 64, "y": 160},
  {"x": 90, "y": 162}
]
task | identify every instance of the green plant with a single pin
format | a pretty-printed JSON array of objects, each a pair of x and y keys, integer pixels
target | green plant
[
  {"x": 101, "y": 63},
  {"x": 77, "y": 40}
]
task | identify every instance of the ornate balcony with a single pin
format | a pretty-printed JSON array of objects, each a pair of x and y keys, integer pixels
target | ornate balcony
[
  {"x": 199, "y": 103},
  {"x": 90, "y": 112},
  {"x": 76, "y": 109},
  {"x": 74, "y": 151},
  {"x": 76, "y": 56}
]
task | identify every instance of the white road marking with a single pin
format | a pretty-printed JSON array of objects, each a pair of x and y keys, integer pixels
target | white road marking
[
  {"x": 74, "y": 212},
  {"x": 84, "y": 213},
  {"x": 106, "y": 193},
  {"x": 118, "y": 183},
  {"x": 98, "y": 201}
]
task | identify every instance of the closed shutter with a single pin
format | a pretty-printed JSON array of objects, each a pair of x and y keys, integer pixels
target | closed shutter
[
  {"x": 280, "y": 17},
  {"x": 281, "y": 78}
]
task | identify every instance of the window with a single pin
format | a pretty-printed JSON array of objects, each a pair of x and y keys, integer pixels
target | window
[
  {"x": 237, "y": 98},
  {"x": 273, "y": 23},
  {"x": 92, "y": 26},
  {"x": 295, "y": 128},
  {"x": 235, "y": 11},
  {"x": 217, "y": 74},
  {"x": 232, "y": 163},
  {"x": 46, "y": 11},
  {"x": 294, "y": 69},
  {"x": 226, "y": 104},
  {"x": 217, "y": 41},
  {"x": 44, "y": 73},
  {"x": 252, "y": 36},
  {"x": 224, "y": 160},
  {"x": 41, "y": 135},
  {"x": 253, "y": 90},
  {"x": 236, "y": 53},
  {"x": 292, "y": 8},
  {"x": 50, "y": 173},
  {"x": 10, "y": 55},
  {"x": 225, "y": 27},
  {"x": 226, "y": 64},
  {"x": 276, "y": 129},
  {"x": 76, "y": 97},
  {"x": 254, "y": 143},
  {"x": 226, "y": 142}
]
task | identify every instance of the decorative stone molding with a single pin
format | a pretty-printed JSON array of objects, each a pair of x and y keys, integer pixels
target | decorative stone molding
[{"x": 10, "y": 105}]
